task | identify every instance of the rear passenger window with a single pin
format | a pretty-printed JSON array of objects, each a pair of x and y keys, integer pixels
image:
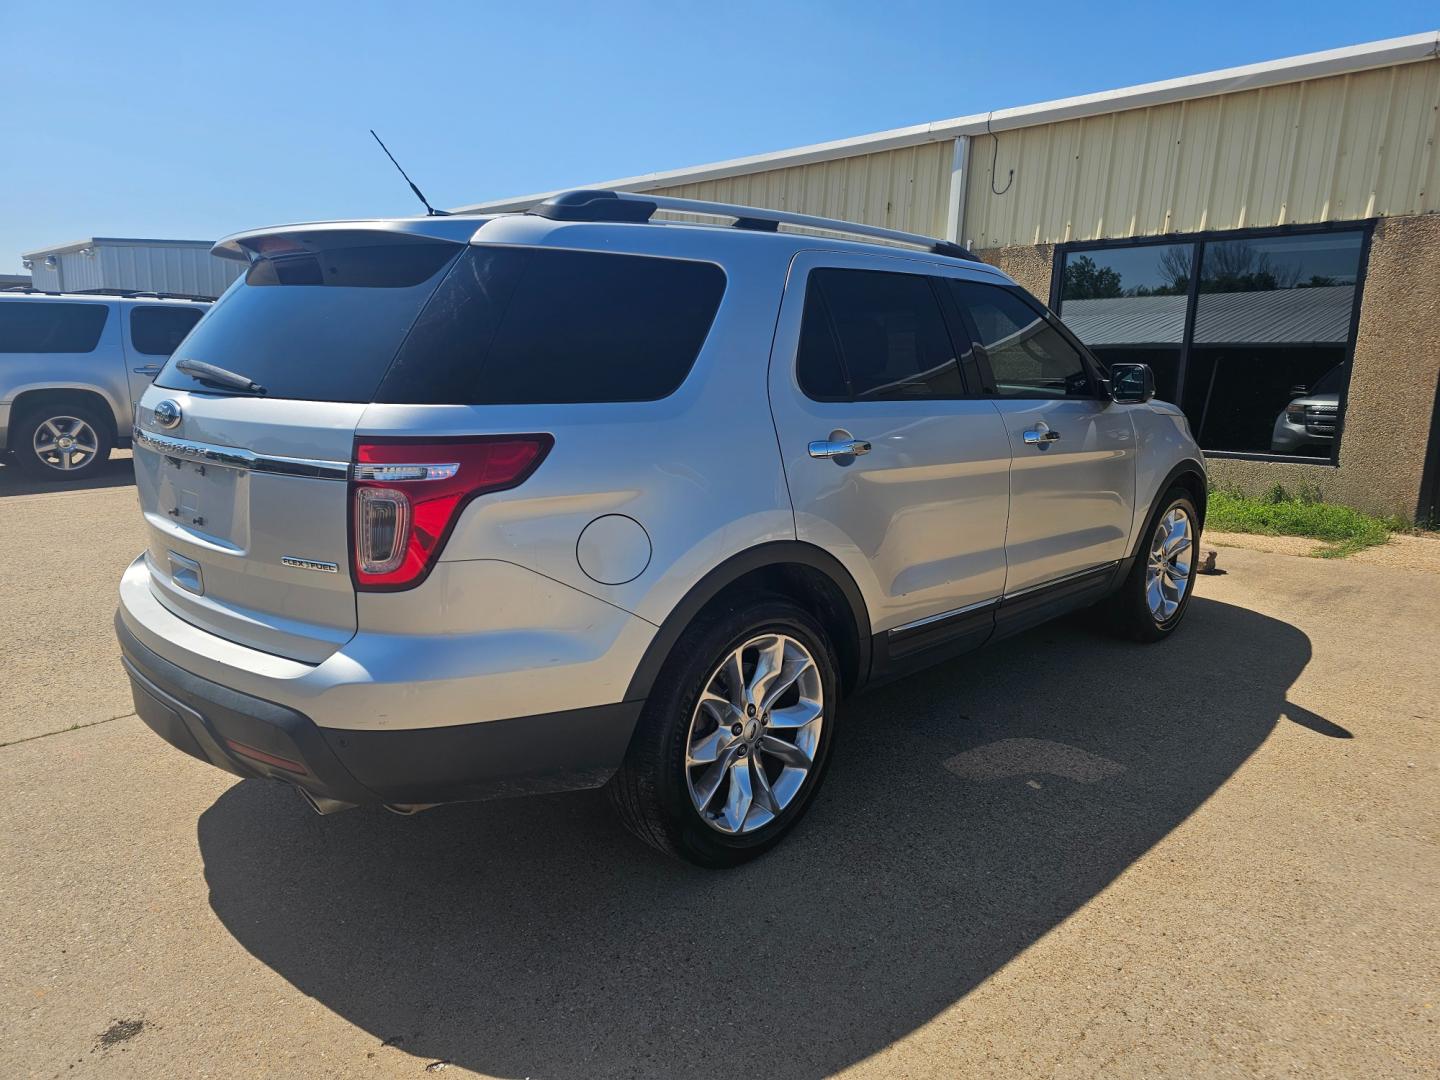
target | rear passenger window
[
  {"x": 874, "y": 335},
  {"x": 532, "y": 326},
  {"x": 40, "y": 326},
  {"x": 1028, "y": 356},
  {"x": 155, "y": 331}
]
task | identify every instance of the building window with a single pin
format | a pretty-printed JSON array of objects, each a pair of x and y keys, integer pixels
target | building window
[{"x": 1249, "y": 332}]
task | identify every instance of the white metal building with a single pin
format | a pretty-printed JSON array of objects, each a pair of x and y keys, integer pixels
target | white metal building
[{"x": 111, "y": 263}]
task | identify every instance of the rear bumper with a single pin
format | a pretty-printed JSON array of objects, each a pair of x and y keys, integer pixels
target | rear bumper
[{"x": 252, "y": 737}]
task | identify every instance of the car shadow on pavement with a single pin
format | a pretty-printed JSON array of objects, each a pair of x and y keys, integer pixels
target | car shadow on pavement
[
  {"x": 117, "y": 472},
  {"x": 967, "y": 812}
]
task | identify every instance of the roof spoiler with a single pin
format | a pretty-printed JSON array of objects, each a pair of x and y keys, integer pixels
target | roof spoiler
[{"x": 313, "y": 236}]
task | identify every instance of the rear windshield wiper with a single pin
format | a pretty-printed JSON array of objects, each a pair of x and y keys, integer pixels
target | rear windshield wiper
[{"x": 218, "y": 377}]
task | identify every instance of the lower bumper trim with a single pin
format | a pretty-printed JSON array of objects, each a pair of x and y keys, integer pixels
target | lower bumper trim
[{"x": 578, "y": 748}]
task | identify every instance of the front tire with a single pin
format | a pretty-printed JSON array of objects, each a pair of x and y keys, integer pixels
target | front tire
[
  {"x": 1155, "y": 594},
  {"x": 735, "y": 736}
]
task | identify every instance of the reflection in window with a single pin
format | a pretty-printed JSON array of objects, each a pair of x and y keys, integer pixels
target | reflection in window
[
  {"x": 1264, "y": 367},
  {"x": 1272, "y": 324},
  {"x": 1027, "y": 355},
  {"x": 1128, "y": 305}
]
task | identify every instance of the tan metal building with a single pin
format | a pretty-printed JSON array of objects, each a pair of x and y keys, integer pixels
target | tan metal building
[{"x": 1266, "y": 237}]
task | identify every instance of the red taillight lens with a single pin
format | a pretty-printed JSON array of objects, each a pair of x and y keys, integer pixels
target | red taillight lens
[{"x": 406, "y": 495}]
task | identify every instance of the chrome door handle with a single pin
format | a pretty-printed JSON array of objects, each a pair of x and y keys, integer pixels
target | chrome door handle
[
  {"x": 150, "y": 369},
  {"x": 833, "y": 448},
  {"x": 1040, "y": 435}
]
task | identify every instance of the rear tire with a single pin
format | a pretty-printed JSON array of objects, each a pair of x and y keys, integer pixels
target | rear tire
[
  {"x": 61, "y": 441},
  {"x": 1153, "y": 598},
  {"x": 715, "y": 782}
]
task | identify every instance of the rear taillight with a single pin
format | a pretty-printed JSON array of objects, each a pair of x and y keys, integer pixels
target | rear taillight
[{"x": 406, "y": 494}]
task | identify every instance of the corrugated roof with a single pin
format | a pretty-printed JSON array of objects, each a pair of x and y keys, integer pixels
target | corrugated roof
[{"x": 1319, "y": 316}]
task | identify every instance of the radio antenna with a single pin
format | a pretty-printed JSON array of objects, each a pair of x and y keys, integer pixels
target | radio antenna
[{"x": 429, "y": 210}]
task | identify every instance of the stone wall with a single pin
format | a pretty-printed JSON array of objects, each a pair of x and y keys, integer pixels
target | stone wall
[{"x": 1030, "y": 266}]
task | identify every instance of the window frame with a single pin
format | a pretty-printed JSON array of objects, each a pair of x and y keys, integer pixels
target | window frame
[{"x": 1365, "y": 226}]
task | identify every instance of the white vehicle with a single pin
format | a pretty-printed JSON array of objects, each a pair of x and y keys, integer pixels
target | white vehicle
[
  {"x": 71, "y": 367},
  {"x": 455, "y": 507}
]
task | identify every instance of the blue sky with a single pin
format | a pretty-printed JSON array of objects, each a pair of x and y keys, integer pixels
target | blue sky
[{"x": 194, "y": 120}]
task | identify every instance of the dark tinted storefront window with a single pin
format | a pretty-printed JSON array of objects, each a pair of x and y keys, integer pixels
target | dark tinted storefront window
[
  {"x": 1271, "y": 322},
  {"x": 1262, "y": 369},
  {"x": 1128, "y": 305}
]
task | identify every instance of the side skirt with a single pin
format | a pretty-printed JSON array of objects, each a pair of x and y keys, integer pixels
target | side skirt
[{"x": 921, "y": 644}]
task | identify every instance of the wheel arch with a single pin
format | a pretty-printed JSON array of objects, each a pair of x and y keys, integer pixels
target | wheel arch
[
  {"x": 1189, "y": 475},
  {"x": 809, "y": 575},
  {"x": 34, "y": 397}
]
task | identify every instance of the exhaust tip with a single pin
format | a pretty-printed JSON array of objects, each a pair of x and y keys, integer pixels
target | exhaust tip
[{"x": 321, "y": 804}]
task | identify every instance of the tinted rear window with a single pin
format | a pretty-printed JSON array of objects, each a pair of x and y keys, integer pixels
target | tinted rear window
[
  {"x": 41, "y": 326},
  {"x": 318, "y": 325},
  {"x": 884, "y": 330},
  {"x": 155, "y": 331},
  {"x": 532, "y": 325}
]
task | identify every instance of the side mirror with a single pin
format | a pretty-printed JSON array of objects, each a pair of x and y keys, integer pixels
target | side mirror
[{"x": 1131, "y": 384}]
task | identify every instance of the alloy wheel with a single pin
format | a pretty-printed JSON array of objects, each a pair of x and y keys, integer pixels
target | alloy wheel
[
  {"x": 754, "y": 734},
  {"x": 65, "y": 443},
  {"x": 1167, "y": 574}
]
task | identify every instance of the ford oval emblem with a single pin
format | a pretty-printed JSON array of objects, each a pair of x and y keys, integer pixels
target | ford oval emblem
[{"x": 167, "y": 414}]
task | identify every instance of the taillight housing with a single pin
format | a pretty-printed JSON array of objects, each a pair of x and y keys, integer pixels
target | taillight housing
[{"x": 407, "y": 493}]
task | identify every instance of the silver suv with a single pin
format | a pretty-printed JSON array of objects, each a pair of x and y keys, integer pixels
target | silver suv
[
  {"x": 71, "y": 367},
  {"x": 456, "y": 507}
]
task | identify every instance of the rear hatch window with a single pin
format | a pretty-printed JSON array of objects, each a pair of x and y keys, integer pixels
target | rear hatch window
[
  {"x": 386, "y": 322},
  {"x": 318, "y": 325}
]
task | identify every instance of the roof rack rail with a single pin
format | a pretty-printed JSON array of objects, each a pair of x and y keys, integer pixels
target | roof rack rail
[{"x": 627, "y": 206}]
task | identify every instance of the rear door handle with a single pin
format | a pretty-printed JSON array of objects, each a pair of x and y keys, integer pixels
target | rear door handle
[
  {"x": 150, "y": 369},
  {"x": 833, "y": 448},
  {"x": 1040, "y": 435}
]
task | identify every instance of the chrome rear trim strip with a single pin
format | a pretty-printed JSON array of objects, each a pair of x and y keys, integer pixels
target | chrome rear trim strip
[{"x": 235, "y": 457}]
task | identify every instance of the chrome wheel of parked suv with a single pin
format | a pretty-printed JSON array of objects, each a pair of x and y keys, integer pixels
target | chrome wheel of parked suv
[
  {"x": 1150, "y": 602},
  {"x": 734, "y": 740},
  {"x": 1167, "y": 571},
  {"x": 64, "y": 442},
  {"x": 754, "y": 733}
]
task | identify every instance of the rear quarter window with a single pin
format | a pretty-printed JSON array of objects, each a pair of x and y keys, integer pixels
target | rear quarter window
[
  {"x": 539, "y": 326},
  {"x": 46, "y": 327},
  {"x": 156, "y": 331}
]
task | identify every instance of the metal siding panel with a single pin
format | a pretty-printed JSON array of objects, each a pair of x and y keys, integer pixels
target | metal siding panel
[
  {"x": 901, "y": 189},
  {"x": 1338, "y": 148}
]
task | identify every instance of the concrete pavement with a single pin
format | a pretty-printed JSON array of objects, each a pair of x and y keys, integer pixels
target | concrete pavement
[{"x": 1064, "y": 856}]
